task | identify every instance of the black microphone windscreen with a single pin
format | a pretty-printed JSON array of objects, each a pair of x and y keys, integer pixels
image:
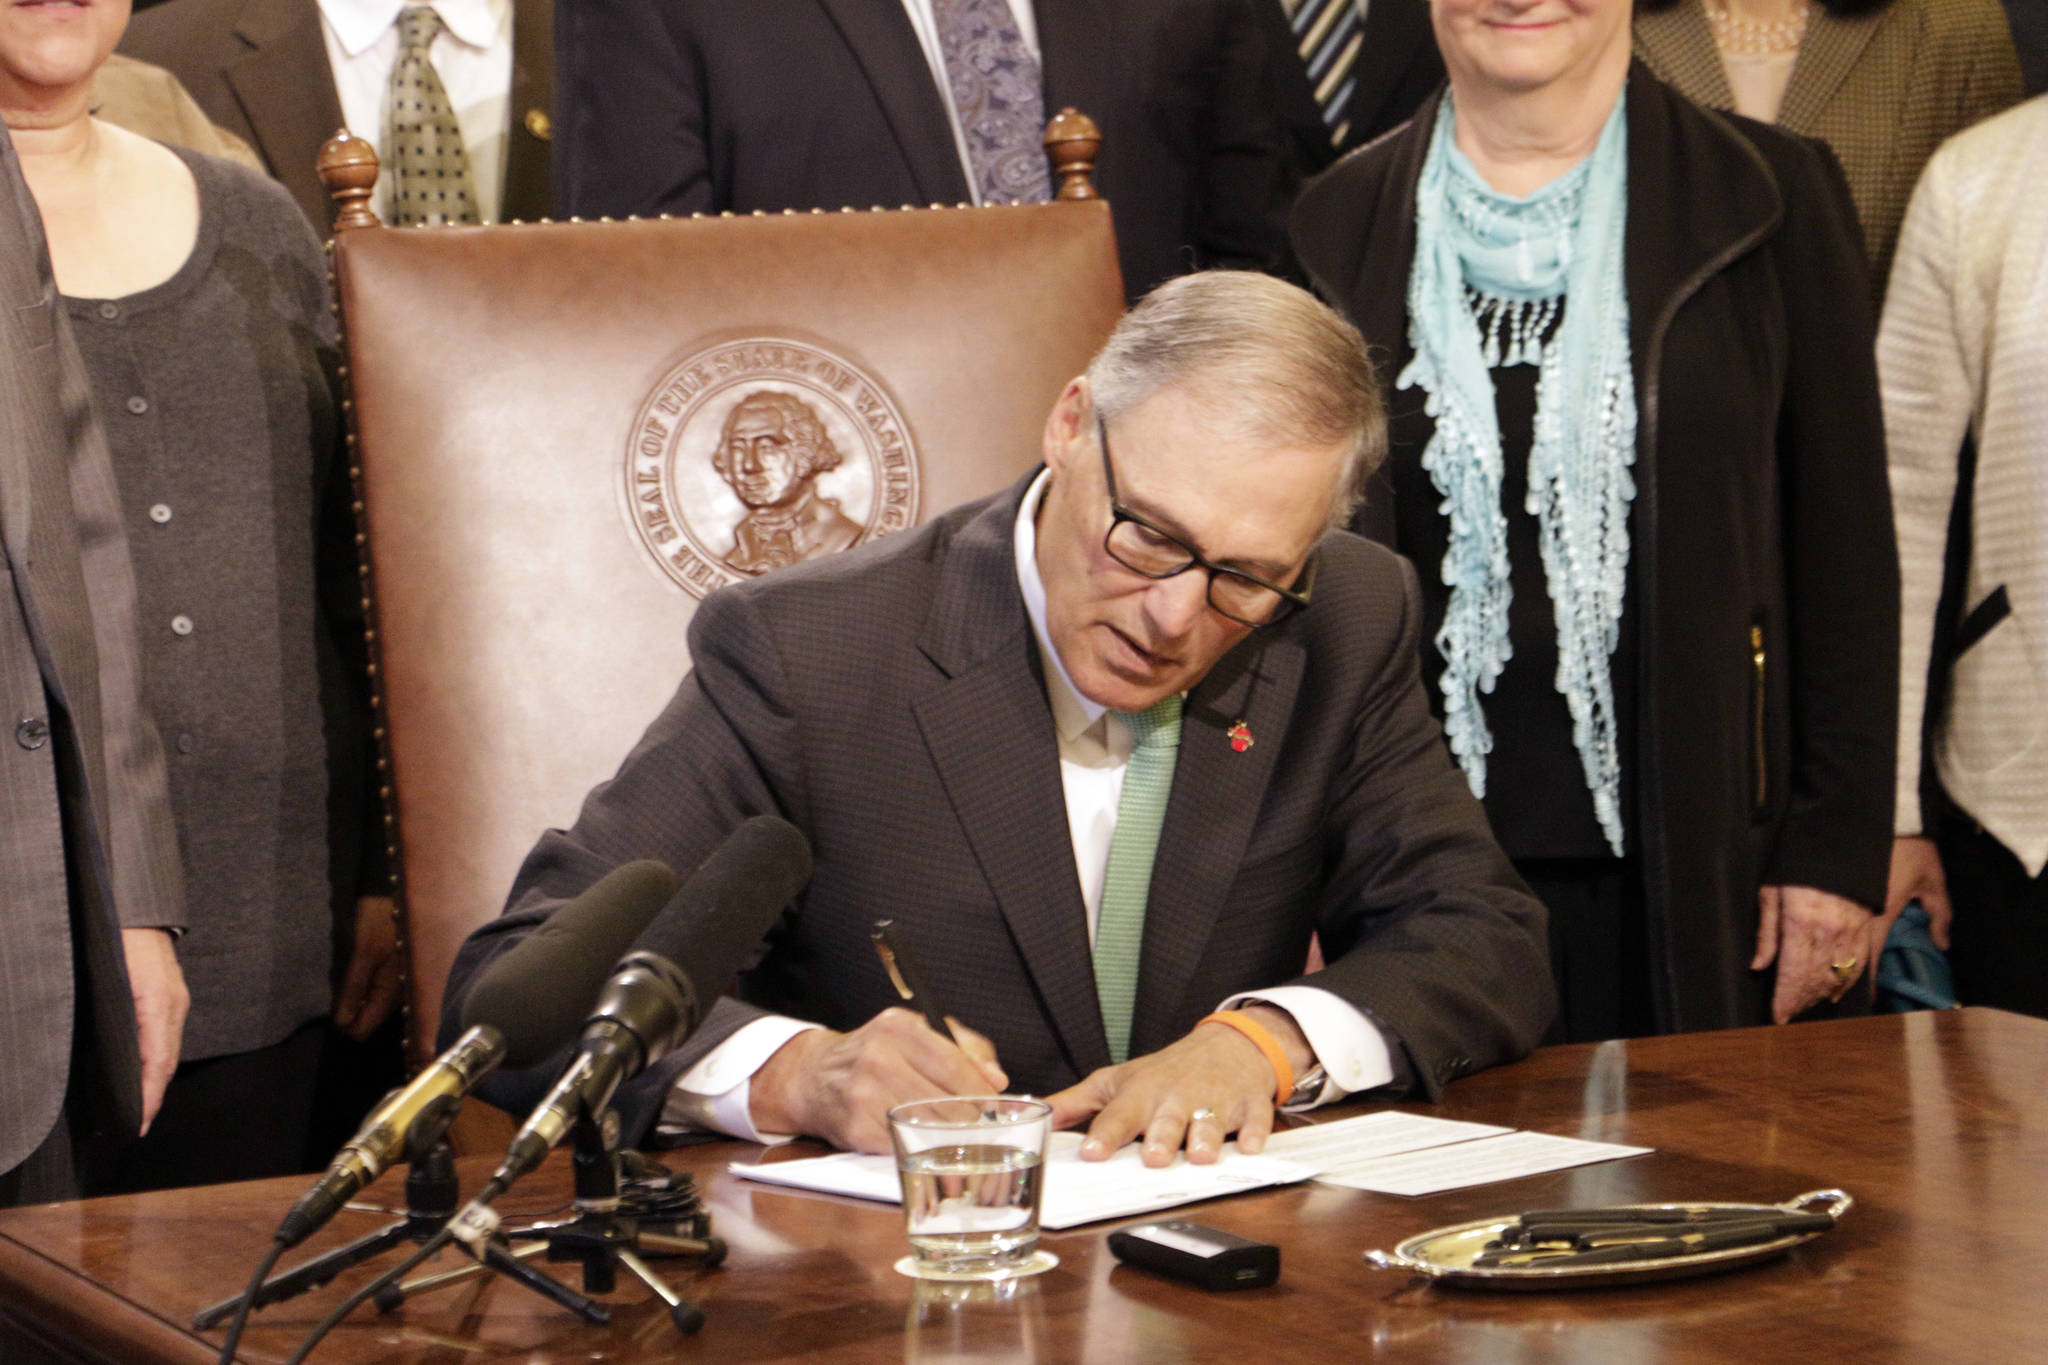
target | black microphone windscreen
[
  {"x": 729, "y": 903},
  {"x": 538, "y": 992}
]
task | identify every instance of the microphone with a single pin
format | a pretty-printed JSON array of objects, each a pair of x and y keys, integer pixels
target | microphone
[
  {"x": 524, "y": 1007},
  {"x": 538, "y": 991},
  {"x": 660, "y": 992},
  {"x": 409, "y": 1121}
]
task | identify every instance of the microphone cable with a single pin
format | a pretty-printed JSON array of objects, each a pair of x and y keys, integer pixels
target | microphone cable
[
  {"x": 359, "y": 1297},
  {"x": 241, "y": 1319}
]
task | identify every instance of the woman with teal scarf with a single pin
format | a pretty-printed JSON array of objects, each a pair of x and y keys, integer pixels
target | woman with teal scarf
[{"x": 1638, "y": 463}]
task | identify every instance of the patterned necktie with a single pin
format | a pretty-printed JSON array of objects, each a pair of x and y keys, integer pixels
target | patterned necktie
[
  {"x": 1127, "y": 885},
  {"x": 1327, "y": 33},
  {"x": 423, "y": 149},
  {"x": 997, "y": 99}
]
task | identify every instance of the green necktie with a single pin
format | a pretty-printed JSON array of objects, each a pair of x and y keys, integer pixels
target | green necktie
[
  {"x": 1140, "y": 811},
  {"x": 423, "y": 149}
]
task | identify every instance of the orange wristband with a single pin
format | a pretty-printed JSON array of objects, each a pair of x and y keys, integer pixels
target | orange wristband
[{"x": 1263, "y": 1039}]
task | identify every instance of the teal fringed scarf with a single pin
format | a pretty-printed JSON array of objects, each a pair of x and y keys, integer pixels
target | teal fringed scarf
[{"x": 1490, "y": 274}]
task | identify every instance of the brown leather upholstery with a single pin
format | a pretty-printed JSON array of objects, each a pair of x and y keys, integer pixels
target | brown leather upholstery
[{"x": 503, "y": 379}]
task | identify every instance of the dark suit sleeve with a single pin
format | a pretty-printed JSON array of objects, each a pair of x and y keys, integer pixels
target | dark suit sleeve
[
  {"x": 1424, "y": 923},
  {"x": 722, "y": 750},
  {"x": 1841, "y": 560},
  {"x": 1293, "y": 102},
  {"x": 631, "y": 130},
  {"x": 1248, "y": 173}
]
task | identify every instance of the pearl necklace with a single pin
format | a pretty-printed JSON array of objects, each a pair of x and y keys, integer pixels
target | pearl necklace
[{"x": 1748, "y": 38}]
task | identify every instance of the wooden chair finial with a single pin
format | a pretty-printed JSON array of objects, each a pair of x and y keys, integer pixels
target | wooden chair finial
[
  {"x": 348, "y": 168},
  {"x": 1072, "y": 141}
]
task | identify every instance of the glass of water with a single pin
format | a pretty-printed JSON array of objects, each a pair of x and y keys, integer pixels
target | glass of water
[{"x": 973, "y": 1170}]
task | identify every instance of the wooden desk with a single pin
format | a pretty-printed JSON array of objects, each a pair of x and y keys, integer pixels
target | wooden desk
[{"x": 1938, "y": 1124}]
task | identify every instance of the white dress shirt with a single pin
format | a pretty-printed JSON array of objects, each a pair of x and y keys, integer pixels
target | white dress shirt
[
  {"x": 473, "y": 57},
  {"x": 1095, "y": 750},
  {"x": 927, "y": 27}
]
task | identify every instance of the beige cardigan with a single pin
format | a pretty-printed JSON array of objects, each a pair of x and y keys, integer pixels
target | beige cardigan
[
  {"x": 1883, "y": 89},
  {"x": 148, "y": 100}
]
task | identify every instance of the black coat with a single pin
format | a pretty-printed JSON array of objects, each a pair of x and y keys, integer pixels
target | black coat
[
  {"x": 1761, "y": 505},
  {"x": 707, "y": 106}
]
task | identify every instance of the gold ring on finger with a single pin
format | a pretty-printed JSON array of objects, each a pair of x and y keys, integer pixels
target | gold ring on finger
[
  {"x": 1201, "y": 1114},
  {"x": 1844, "y": 969}
]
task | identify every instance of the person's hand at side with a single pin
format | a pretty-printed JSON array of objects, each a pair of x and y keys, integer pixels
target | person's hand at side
[
  {"x": 1916, "y": 875},
  {"x": 841, "y": 1086},
  {"x": 370, "y": 987},
  {"x": 1807, "y": 931},
  {"x": 161, "y": 1002},
  {"x": 1192, "y": 1094}
]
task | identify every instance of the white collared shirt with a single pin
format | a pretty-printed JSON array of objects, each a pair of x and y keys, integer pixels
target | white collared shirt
[
  {"x": 473, "y": 57},
  {"x": 927, "y": 27},
  {"x": 1095, "y": 751}
]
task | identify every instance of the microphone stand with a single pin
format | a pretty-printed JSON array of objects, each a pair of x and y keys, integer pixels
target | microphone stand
[
  {"x": 663, "y": 1218},
  {"x": 432, "y": 1194}
]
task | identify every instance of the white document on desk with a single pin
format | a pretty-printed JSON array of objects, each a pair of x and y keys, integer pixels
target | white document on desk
[
  {"x": 1396, "y": 1153},
  {"x": 1339, "y": 1143},
  {"x": 1481, "y": 1162},
  {"x": 1076, "y": 1191}
]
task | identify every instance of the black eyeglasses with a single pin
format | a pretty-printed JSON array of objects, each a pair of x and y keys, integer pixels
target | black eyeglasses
[{"x": 1145, "y": 549}]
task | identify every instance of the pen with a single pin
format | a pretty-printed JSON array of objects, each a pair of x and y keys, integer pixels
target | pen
[
  {"x": 1616, "y": 1222},
  {"x": 903, "y": 974},
  {"x": 1648, "y": 1245}
]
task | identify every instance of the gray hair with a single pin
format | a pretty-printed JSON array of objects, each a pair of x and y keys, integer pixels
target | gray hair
[{"x": 1259, "y": 352}]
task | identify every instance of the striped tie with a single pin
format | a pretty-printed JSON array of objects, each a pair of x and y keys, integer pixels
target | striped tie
[
  {"x": 1127, "y": 884},
  {"x": 1327, "y": 33}
]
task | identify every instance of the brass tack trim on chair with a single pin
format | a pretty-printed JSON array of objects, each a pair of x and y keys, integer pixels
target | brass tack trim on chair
[{"x": 347, "y": 166}]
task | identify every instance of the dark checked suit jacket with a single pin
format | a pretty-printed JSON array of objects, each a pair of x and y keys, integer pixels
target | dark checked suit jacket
[
  {"x": 705, "y": 106},
  {"x": 86, "y": 842},
  {"x": 888, "y": 701},
  {"x": 259, "y": 69},
  {"x": 1883, "y": 88}
]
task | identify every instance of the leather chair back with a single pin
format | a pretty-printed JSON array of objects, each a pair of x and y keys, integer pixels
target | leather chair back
[{"x": 537, "y": 415}]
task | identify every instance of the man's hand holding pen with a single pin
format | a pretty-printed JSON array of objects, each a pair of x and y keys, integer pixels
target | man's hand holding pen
[
  {"x": 1191, "y": 1095},
  {"x": 841, "y": 1086}
]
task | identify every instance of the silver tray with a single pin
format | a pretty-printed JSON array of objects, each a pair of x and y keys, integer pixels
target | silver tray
[{"x": 1445, "y": 1255}]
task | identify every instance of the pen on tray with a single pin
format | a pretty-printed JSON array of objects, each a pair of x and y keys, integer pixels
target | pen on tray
[
  {"x": 1581, "y": 1224},
  {"x": 903, "y": 974},
  {"x": 1644, "y": 1244}
]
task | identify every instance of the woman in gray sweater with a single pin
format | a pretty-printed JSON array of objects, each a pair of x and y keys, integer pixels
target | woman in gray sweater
[{"x": 198, "y": 296}]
